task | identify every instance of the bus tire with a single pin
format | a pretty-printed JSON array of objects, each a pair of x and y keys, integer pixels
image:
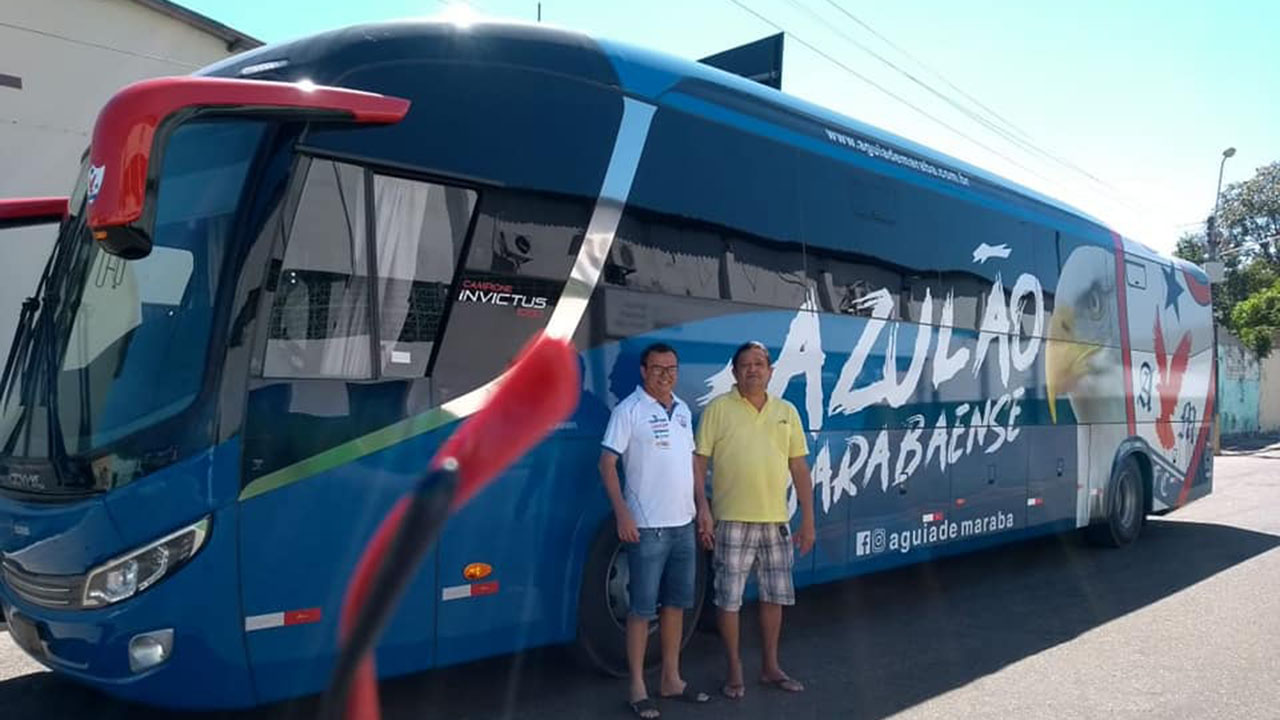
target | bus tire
[
  {"x": 1125, "y": 507},
  {"x": 602, "y": 607}
]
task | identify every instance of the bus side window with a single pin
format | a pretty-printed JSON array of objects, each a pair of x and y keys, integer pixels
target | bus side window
[
  {"x": 766, "y": 273},
  {"x": 521, "y": 252},
  {"x": 849, "y": 284},
  {"x": 665, "y": 257},
  {"x": 319, "y": 325},
  {"x": 419, "y": 232}
]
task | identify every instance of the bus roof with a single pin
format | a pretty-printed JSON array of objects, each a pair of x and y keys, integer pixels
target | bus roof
[{"x": 638, "y": 71}]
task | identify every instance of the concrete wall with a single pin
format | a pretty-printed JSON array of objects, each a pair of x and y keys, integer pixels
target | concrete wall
[
  {"x": 1269, "y": 393},
  {"x": 71, "y": 56},
  {"x": 1239, "y": 385}
]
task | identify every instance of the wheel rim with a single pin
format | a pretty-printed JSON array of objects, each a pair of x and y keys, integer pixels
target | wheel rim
[
  {"x": 1128, "y": 510},
  {"x": 615, "y": 587}
]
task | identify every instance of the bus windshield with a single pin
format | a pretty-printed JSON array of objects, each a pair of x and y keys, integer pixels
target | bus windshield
[{"x": 129, "y": 338}]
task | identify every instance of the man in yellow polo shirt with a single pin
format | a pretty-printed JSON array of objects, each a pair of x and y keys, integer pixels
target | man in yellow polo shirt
[{"x": 754, "y": 442}]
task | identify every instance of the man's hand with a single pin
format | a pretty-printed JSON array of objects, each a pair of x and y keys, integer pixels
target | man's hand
[
  {"x": 805, "y": 537},
  {"x": 627, "y": 531},
  {"x": 706, "y": 529}
]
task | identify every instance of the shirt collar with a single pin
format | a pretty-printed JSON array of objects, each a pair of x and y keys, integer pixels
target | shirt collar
[
  {"x": 644, "y": 395},
  {"x": 768, "y": 397}
]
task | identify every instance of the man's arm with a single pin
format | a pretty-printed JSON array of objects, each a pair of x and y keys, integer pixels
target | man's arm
[
  {"x": 627, "y": 531},
  {"x": 804, "y": 495},
  {"x": 706, "y": 524}
]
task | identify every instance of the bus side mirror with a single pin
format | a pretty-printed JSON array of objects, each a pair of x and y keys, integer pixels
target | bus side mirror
[
  {"x": 23, "y": 212},
  {"x": 133, "y": 128}
]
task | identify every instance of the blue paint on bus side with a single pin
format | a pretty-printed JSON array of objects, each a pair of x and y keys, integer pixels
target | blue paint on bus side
[{"x": 651, "y": 74}]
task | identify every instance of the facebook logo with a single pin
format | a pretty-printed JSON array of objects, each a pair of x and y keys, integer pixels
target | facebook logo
[{"x": 862, "y": 543}]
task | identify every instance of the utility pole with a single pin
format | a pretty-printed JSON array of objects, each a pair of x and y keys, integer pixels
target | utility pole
[
  {"x": 539, "y": 12},
  {"x": 1211, "y": 241}
]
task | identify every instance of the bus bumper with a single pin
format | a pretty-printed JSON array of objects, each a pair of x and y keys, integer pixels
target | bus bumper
[{"x": 206, "y": 666}]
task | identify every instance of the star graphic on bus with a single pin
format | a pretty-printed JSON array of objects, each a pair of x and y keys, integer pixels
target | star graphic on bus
[{"x": 1172, "y": 290}]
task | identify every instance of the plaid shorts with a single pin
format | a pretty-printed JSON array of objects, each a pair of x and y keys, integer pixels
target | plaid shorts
[{"x": 742, "y": 546}]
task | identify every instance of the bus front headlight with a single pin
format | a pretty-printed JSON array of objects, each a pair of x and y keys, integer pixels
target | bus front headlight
[{"x": 129, "y": 574}]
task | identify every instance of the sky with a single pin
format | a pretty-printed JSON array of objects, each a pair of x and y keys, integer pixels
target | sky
[{"x": 1120, "y": 108}]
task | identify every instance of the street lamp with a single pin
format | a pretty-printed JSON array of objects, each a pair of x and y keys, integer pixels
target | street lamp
[
  {"x": 1217, "y": 197},
  {"x": 1215, "y": 271}
]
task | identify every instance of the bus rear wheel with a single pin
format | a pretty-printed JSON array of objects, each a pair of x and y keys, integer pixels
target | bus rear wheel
[
  {"x": 603, "y": 603},
  {"x": 1125, "y": 511}
]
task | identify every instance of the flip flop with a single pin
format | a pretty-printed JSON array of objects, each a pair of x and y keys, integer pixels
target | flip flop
[
  {"x": 689, "y": 695},
  {"x": 645, "y": 705},
  {"x": 734, "y": 691},
  {"x": 785, "y": 682}
]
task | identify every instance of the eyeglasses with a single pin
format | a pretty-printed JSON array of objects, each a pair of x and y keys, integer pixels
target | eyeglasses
[{"x": 667, "y": 370}]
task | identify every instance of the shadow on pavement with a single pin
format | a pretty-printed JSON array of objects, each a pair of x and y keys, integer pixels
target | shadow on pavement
[{"x": 866, "y": 647}]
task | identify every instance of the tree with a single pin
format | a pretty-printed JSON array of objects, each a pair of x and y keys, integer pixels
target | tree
[
  {"x": 1191, "y": 247},
  {"x": 1248, "y": 231},
  {"x": 1257, "y": 319},
  {"x": 1249, "y": 219}
]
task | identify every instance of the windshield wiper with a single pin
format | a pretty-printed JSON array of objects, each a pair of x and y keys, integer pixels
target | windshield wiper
[
  {"x": 20, "y": 360},
  {"x": 35, "y": 351}
]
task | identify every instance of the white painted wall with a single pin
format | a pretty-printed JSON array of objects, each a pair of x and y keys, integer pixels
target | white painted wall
[
  {"x": 1269, "y": 395},
  {"x": 72, "y": 55}
]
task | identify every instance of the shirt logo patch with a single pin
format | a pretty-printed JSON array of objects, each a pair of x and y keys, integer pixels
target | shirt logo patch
[{"x": 661, "y": 430}]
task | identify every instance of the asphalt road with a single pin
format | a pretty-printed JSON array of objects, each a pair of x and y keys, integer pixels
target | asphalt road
[{"x": 1184, "y": 624}]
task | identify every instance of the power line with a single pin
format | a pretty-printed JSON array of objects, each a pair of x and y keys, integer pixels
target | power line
[
  {"x": 917, "y": 61},
  {"x": 886, "y": 91},
  {"x": 1024, "y": 139}
]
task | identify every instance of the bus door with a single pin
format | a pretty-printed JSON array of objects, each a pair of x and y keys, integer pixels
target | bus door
[
  {"x": 507, "y": 560},
  {"x": 355, "y": 296}
]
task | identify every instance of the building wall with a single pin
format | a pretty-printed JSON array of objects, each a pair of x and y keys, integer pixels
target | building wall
[
  {"x": 71, "y": 56},
  {"x": 1239, "y": 385},
  {"x": 1269, "y": 392}
]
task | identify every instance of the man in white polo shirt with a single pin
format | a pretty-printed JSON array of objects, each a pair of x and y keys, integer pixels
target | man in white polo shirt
[{"x": 652, "y": 431}]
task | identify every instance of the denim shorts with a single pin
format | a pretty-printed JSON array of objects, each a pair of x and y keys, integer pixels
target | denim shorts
[{"x": 663, "y": 566}]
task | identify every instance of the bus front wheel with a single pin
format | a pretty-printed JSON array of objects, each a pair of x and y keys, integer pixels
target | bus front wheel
[
  {"x": 603, "y": 603},
  {"x": 1125, "y": 507}
]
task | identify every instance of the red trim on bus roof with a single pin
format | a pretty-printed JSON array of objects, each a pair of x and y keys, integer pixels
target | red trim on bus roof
[
  {"x": 125, "y": 130},
  {"x": 1122, "y": 301},
  {"x": 1200, "y": 291},
  {"x": 32, "y": 211}
]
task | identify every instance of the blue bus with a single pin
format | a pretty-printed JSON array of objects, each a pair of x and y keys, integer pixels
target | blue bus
[{"x": 280, "y": 282}]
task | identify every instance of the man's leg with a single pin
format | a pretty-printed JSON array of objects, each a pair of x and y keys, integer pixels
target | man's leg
[
  {"x": 679, "y": 577},
  {"x": 776, "y": 589},
  {"x": 770, "y": 631},
  {"x": 644, "y": 560},
  {"x": 671, "y": 627},
  {"x": 637, "y": 642},
  {"x": 733, "y": 558},
  {"x": 728, "y": 622}
]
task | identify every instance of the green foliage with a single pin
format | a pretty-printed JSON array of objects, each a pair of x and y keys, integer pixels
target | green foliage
[
  {"x": 1257, "y": 318},
  {"x": 1250, "y": 215},
  {"x": 1248, "y": 231},
  {"x": 1191, "y": 248}
]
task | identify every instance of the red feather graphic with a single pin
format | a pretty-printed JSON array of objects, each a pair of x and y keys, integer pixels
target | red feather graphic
[{"x": 1169, "y": 386}]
